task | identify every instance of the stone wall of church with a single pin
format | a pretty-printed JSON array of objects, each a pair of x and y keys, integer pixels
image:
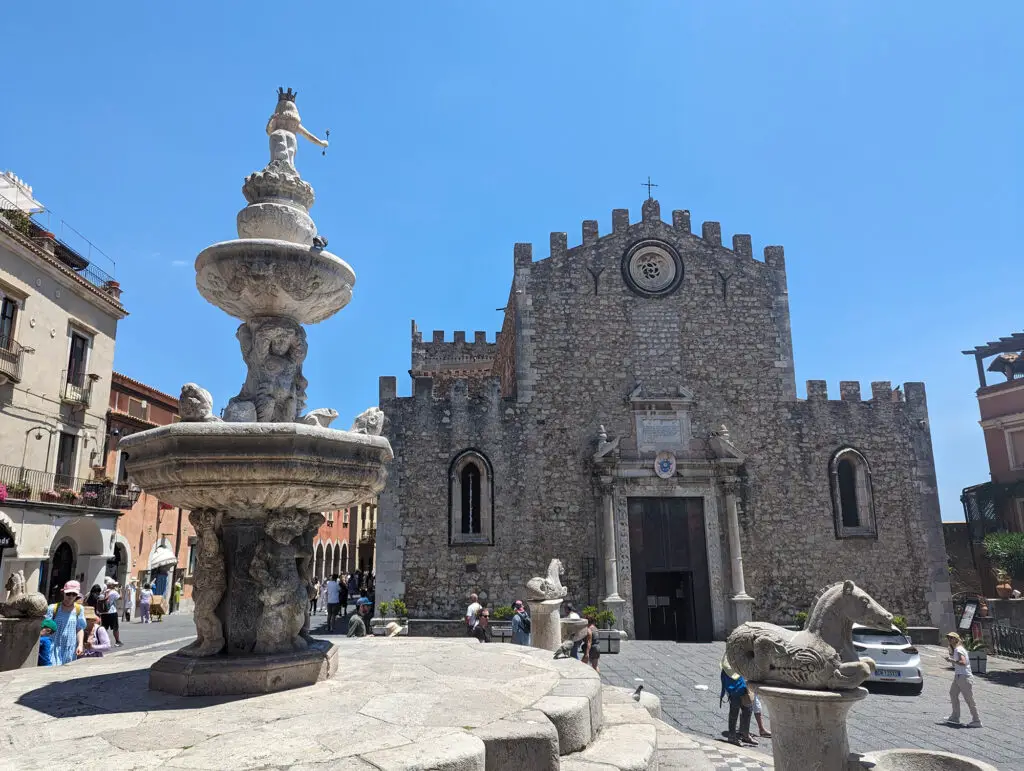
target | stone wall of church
[{"x": 584, "y": 341}]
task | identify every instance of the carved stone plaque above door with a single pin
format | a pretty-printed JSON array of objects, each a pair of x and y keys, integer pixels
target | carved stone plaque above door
[{"x": 662, "y": 420}]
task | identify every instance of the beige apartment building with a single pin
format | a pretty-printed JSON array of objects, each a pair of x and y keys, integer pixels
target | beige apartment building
[{"x": 58, "y": 321}]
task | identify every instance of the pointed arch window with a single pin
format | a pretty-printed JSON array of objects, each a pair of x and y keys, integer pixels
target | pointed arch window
[
  {"x": 471, "y": 499},
  {"x": 853, "y": 505}
]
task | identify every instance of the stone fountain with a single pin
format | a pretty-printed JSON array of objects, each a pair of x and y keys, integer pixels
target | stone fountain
[{"x": 257, "y": 481}]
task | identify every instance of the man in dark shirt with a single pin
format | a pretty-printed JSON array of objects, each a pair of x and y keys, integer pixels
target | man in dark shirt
[
  {"x": 356, "y": 624},
  {"x": 482, "y": 627}
]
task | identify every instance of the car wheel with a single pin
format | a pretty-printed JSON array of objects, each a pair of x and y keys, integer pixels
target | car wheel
[{"x": 916, "y": 689}]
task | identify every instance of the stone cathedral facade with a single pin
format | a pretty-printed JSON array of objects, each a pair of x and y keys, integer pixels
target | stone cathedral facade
[{"x": 637, "y": 417}]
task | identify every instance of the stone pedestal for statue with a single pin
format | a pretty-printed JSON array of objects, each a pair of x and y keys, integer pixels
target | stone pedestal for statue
[
  {"x": 545, "y": 624},
  {"x": 809, "y": 727},
  {"x": 256, "y": 482},
  {"x": 19, "y": 643}
]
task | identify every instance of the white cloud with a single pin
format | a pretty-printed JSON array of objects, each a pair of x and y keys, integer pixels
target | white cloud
[{"x": 179, "y": 263}]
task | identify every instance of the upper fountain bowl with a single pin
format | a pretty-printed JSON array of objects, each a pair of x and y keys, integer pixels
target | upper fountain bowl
[
  {"x": 263, "y": 277},
  {"x": 247, "y": 469}
]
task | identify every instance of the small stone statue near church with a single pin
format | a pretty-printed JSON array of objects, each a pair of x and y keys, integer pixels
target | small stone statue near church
[
  {"x": 549, "y": 588},
  {"x": 282, "y": 127},
  {"x": 819, "y": 657}
]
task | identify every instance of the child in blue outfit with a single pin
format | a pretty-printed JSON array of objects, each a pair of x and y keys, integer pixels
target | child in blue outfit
[
  {"x": 740, "y": 702},
  {"x": 46, "y": 643}
]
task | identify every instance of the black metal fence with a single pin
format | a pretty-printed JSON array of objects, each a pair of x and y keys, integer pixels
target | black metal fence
[
  {"x": 31, "y": 485},
  {"x": 1008, "y": 641}
]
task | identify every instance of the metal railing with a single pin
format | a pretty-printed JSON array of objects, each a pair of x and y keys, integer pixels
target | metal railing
[
  {"x": 1008, "y": 641},
  {"x": 31, "y": 485},
  {"x": 368, "y": 535},
  {"x": 11, "y": 353},
  {"x": 55, "y": 235},
  {"x": 76, "y": 388}
]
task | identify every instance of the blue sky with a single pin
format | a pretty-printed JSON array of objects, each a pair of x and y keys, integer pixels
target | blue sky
[{"x": 880, "y": 143}]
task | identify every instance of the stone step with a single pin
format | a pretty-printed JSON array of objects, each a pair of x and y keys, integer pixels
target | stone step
[{"x": 623, "y": 747}]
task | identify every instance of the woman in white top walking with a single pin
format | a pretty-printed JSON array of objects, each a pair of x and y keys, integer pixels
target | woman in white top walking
[{"x": 963, "y": 681}]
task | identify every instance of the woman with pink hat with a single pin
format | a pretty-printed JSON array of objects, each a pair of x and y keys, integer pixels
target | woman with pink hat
[{"x": 69, "y": 616}]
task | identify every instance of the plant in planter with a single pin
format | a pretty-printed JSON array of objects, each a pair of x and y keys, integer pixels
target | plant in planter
[
  {"x": 1006, "y": 553},
  {"x": 502, "y": 613},
  {"x": 590, "y": 611},
  {"x": 3, "y": 492},
  {"x": 384, "y": 608},
  {"x": 398, "y": 608},
  {"x": 976, "y": 654},
  {"x": 605, "y": 619},
  {"x": 67, "y": 495},
  {"x": 19, "y": 490},
  {"x": 900, "y": 623},
  {"x": 800, "y": 619},
  {"x": 50, "y": 496}
]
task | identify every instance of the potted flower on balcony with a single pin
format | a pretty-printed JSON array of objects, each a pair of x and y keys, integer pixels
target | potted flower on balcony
[
  {"x": 67, "y": 495},
  {"x": 3, "y": 492},
  {"x": 1006, "y": 553},
  {"x": 50, "y": 496},
  {"x": 20, "y": 490}
]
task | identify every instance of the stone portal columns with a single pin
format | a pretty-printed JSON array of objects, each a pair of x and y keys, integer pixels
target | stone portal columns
[
  {"x": 742, "y": 602},
  {"x": 611, "y": 576}
]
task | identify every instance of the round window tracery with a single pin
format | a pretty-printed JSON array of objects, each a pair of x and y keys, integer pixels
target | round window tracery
[{"x": 652, "y": 268}]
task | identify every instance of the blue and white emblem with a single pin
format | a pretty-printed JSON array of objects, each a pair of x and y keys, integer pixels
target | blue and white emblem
[{"x": 665, "y": 465}]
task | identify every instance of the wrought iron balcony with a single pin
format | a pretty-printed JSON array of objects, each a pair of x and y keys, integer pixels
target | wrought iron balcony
[
  {"x": 11, "y": 354},
  {"x": 76, "y": 387},
  {"x": 369, "y": 535},
  {"x": 32, "y": 485}
]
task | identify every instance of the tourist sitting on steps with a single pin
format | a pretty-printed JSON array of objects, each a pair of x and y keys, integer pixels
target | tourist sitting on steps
[{"x": 357, "y": 624}]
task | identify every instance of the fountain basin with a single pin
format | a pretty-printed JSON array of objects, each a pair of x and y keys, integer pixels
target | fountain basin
[
  {"x": 248, "y": 469},
  {"x": 266, "y": 277}
]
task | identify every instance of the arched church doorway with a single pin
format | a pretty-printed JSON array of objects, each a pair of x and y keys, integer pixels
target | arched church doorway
[{"x": 62, "y": 566}]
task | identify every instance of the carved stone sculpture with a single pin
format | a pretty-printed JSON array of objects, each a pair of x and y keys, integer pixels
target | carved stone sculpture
[
  {"x": 279, "y": 586},
  {"x": 196, "y": 404},
  {"x": 322, "y": 417},
  {"x": 819, "y": 657},
  {"x": 304, "y": 561},
  {"x": 209, "y": 584},
  {"x": 369, "y": 421},
  {"x": 282, "y": 127},
  {"x": 273, "y": 348},
  {"x": 549, "y": 588},
  {"x": 21, "y": 604}
]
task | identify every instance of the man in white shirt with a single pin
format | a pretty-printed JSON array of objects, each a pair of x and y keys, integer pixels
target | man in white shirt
[
  {"x": 333, "y": 601},
  {"x": 472, "y": 612}
]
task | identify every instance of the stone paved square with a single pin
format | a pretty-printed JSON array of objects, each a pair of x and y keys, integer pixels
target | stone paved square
[{"x": 887, "y": 719}]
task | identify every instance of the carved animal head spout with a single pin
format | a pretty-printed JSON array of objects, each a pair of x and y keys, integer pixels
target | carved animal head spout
[
  {"x": 845, "y": 601},
  {"x": 864, "y": 609}
]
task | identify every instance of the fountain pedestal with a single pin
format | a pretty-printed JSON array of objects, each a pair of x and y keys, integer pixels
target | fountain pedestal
[
  {"x": 809, "y": 727},
  {"x": 545, "y": 624}
]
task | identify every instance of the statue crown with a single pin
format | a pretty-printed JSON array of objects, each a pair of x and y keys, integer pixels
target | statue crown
[{"x": 286, "y": 95}]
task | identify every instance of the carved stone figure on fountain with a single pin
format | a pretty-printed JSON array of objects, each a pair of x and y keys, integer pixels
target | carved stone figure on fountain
[
  {"x": 209, "y": 584},
  {"x": 196, "y": 404},
  {"x": 550, "y": 587},
  {"x": 282, "y": 127},
  {"x": 273, "y": 348},
  {"x": 21, "y": 604},
  {"x": 322, "y": 417},
  {"x": 279, "y": 587},
  {"x": 819, "y": 657},
  {"x": 304, "y": 561},
  {"x": 370, "y": 421}
]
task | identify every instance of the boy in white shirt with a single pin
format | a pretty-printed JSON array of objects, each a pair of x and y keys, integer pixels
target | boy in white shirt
[{"x": 963, "y": 681}]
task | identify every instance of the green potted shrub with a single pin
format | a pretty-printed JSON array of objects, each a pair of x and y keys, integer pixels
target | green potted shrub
[
  {"x": 20, "y": 490},
  {"x": 1006, "y": 553},
  {"x": 900, "y": 623},
  {"x": 502, "y": 613},
  {"x": 976, "y": 654},
  {"x": 800, "y": 619},
  {"x": 390, "y": 610}
]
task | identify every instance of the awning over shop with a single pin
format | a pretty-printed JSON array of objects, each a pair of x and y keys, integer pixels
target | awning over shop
[{"x": 161, "y": 558}]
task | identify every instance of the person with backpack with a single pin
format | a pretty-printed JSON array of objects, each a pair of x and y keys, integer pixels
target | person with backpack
[
  {"x": 69, "y": 617},
  {"x": 734, "y": 686},
  {"x": 521, "y": 625}
]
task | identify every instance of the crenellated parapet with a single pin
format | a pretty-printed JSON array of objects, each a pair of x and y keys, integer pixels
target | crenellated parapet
[
  {"x": 453, "y": 358},
  {"x": 710, "y": 234},
  {"x": 882, "y": 391}
]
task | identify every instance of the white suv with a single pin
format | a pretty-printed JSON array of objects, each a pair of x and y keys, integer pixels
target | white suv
[{"x": 896, "y": 659}]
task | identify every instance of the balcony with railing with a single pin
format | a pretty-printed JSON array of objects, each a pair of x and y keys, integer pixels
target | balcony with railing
[
  {"x": 368, "y": 535},
  {"x": 11, "y": 354},
  {"x": 58, "y": 239},
  {"x": 31, "y": 485},
  {"x": 76, "y": 387}
]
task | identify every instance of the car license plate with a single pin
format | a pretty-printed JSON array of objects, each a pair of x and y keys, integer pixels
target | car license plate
[{"x": 893, "y": 673}]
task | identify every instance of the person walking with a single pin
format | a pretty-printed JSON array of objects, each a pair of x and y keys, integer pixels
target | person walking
[
  {"x": 740, "y": 702},
  {"x": 963, "y": 681},
  {"x": 130, "y": 593},
  {"x": 578, "y": 637},
  {"x": 471, "y": 612},
  {"x": 591, "y": 651},
  {"x": 176, "y": 595},
  {"x": 521, "y": 624},
  {"x": 145, "y": 600},
  {"x": 315, "y": 597},
  {"x": 96, "y": 641},
  {"x": 107, "y": 609},
  {"x": 333, "y": 601},
  {"x": 482, "y": 628},
  {"x": 93, "y": 598},
  {"x": 69, "y": 617}
]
